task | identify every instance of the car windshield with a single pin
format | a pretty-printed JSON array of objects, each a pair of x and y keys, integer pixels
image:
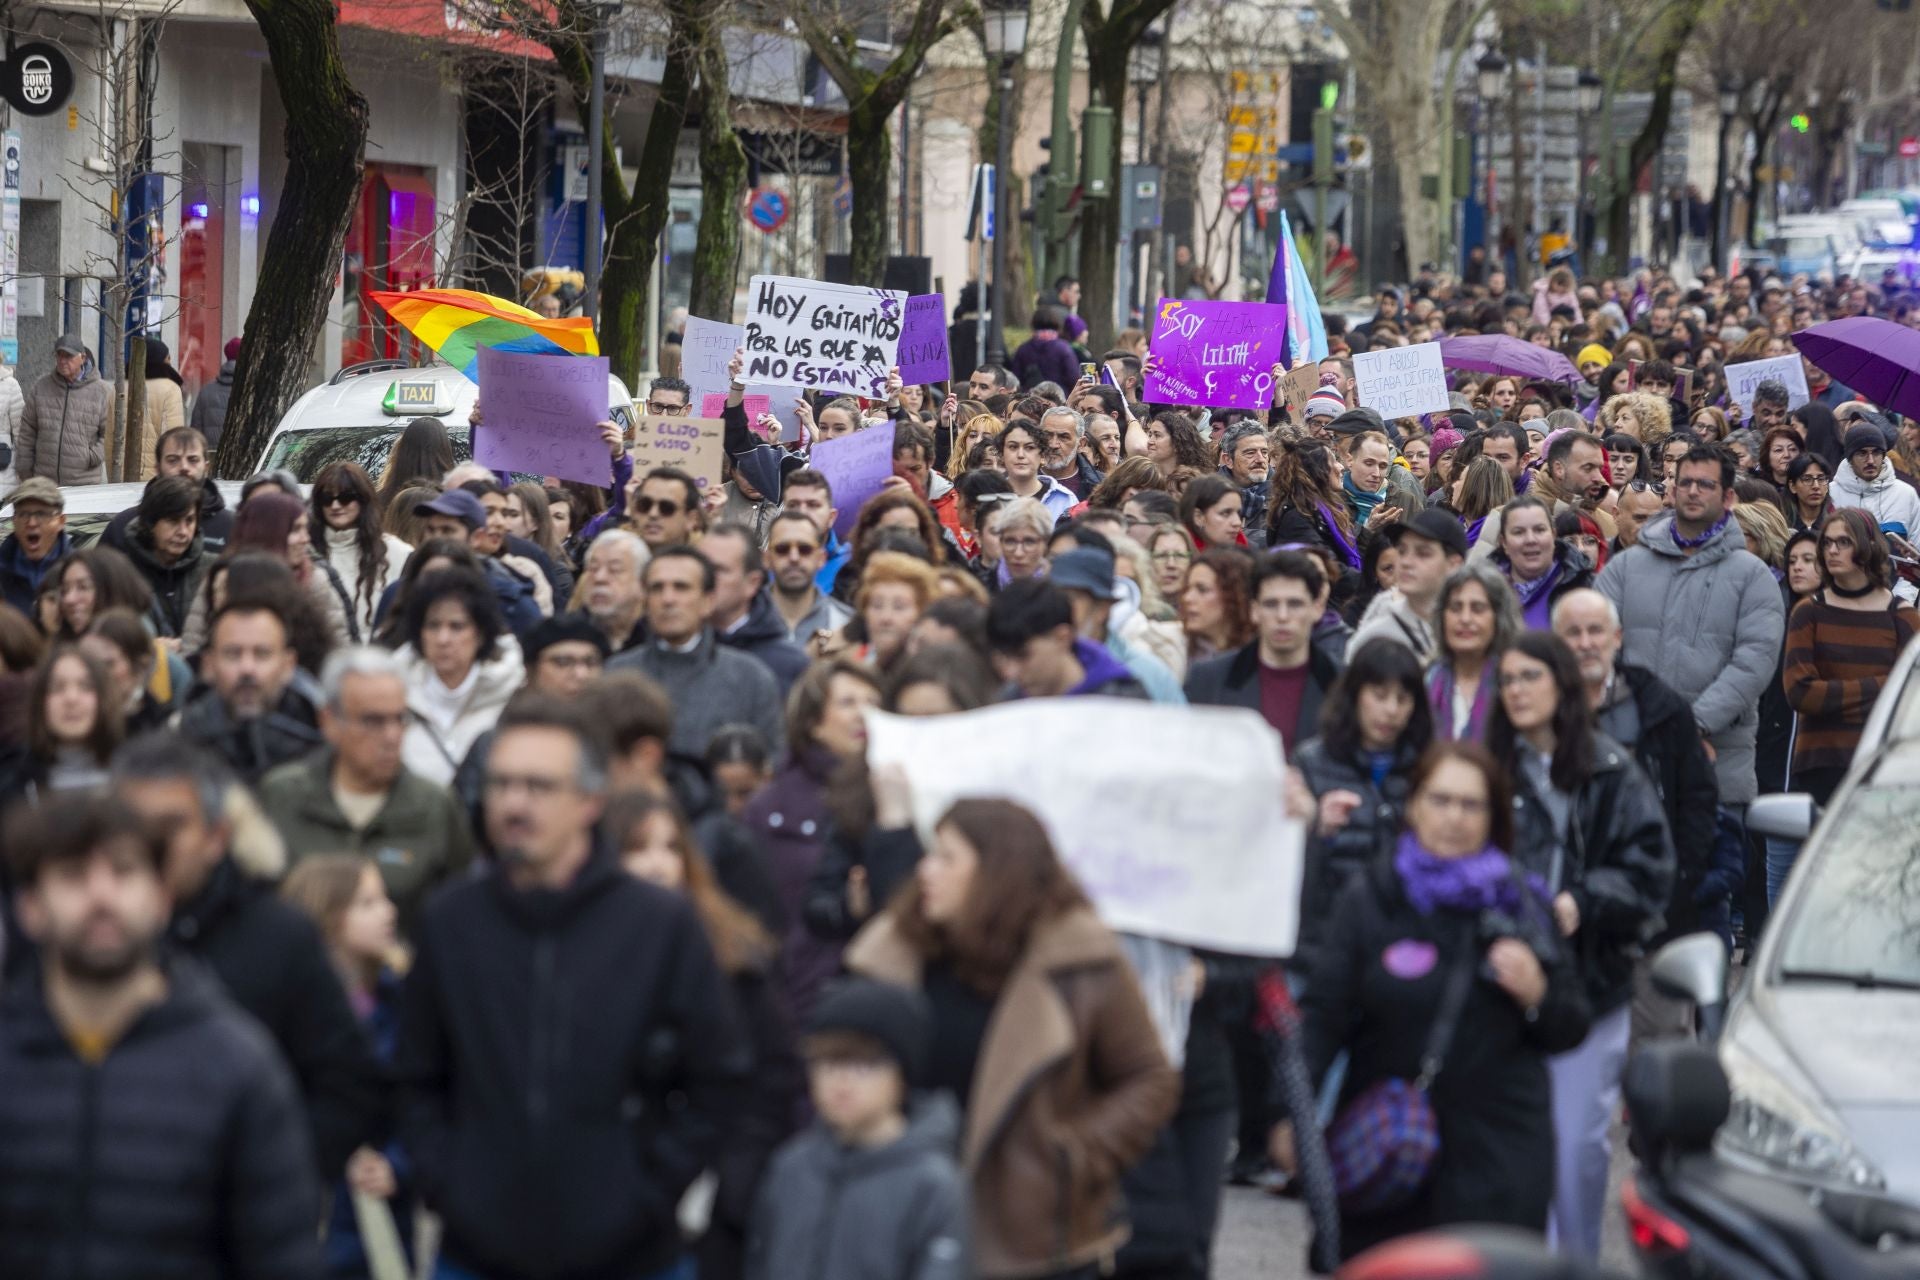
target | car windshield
[
  {"x": 1801, "y": 247},
  {"x": 308, "y": 453},
  {"x": 1858, "y": 918}
]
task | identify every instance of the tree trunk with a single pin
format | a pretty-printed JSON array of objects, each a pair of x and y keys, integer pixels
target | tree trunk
[
  {"x": 1100, "y": 219},
  {"x": 869, "y": 168},
  {"x": 1646, "y": 144},
  {"x": 723, "y": 174},
  {"x": 134, "y": 442},
  {"x": 326, "y": 141}
]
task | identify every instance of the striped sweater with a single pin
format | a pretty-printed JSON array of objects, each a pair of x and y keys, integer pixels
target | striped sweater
[{"x": 1836, "y": 664}]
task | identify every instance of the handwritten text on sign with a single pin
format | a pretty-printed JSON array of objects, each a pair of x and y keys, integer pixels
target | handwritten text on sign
[
  {"x": 541, "y": 413},
  {"x": 923, "y": 341},
  {"x": 1217, "y": 354},
  {"x": 705, "y": 351},
  {"x": 1196, "y": 858},
  {"x": 836, "y": 338},
  {"x": 1745, "y": 378},
  {"x": 856, "y": 467},
  {"x": 694, "y": 445},
  {"x": 1398, "y": 382}
]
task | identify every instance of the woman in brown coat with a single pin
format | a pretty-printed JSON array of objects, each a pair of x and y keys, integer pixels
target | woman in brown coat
[{"x": 1040, "y": 1032}]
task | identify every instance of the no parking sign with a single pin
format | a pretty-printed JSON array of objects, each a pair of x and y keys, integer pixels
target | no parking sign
[{"x": 767, "y": 209}]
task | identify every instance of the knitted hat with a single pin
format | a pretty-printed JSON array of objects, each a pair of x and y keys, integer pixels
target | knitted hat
[
  {"x": 895, "y": 1016},
  {"x": 1326, "y": 403},
  {"x": 1444, "y": 439},
  {"x": 1592, "y": 353},
  {"x": 562, "y": 628},
  {"x": 1863, "y": 435}
]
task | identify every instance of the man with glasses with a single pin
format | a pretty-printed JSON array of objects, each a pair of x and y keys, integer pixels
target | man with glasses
[
  {"x": 1866, "y": 479},
  {"x": 37, "y": 543},
  {"x": 810, "y": 493},
  {"x": 670, "y": 398},
  {"x": 1282, "y": 674},
  {"x": 357, "y": 797},
  {"x": 665, "y": 509},
  {"x": 180, "y": 451},
  {"x": 520, "y": 1114}
]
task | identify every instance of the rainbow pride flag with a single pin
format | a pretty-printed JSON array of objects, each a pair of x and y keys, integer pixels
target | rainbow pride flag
[{"x": 456, "y": 323}]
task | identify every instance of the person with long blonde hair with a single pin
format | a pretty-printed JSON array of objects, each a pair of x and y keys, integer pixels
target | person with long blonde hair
[{"x": 983, "y": 426}]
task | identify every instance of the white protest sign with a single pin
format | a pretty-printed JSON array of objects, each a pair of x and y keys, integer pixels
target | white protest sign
[
  {"x": 1203, "y": 854},
  {"x": 705, "y": 351},
  {"x": 1743, "y": 378},
  {"x": 838, "y": 338},
  {"x": 1399, "y": 382}
]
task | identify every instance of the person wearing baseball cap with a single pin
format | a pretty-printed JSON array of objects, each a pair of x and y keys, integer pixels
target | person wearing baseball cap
[
  {"x": 455, "y": 516},
  {"x": 38, "y": 541},
  {"x": 1085, "y": 572},
  {"x": 1431, "y": 546},
  {"x": 62, "y": 431}
]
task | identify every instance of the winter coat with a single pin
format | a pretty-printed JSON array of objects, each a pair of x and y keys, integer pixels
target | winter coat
[
  {"x": 1492, "y": 1097},
  {"x": 274, "y": 964},
  {"x": 897, "y": 1212},
  {"x": 1046, "y": 357},
  {"x": 343, "y": 553},
  {"x": 1391, "y": 616},
  {"x": 12, "y": 402},
  {"x": 1669, "y": 752},
  {"x": 1835, "y": 667},
  {"x": 62, "y": 431},
  {"x": 210, "y": 406},
  {"x": 175, "y": 586},
  {"x": 568, "y": 1062},
  {"x": 166, "y": 409},
  {"x": 1710, "y": 624},
  {"x": 216, "y": 522},
  {"x": 788, "y": 817},
  {"x": 886, "y": 855},
  {"x": 1233, "y": 680},
  {"x": 323, "y": 588},
  {"x": 1334, "y": 861},
  {"x": 1617, "y": 862},
  {"x": 1070, "y": 1088},
  {"x": 181, "y": 1155},
  {"x": 1570, "y": 571},
  {"x": 419, "y": 837},
  {"x": 756, "y": 1128},
  {"x": 1892, "y": 501},
  {"x": 712, "y": 686},
  {"x": 288, "y": 731},
  {"x": 20, "y": 578},
  {"x": 434, "y": 751},
  {"x": 762, "y": 634}
]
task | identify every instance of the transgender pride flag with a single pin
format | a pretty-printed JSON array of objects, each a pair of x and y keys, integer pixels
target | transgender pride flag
[{"x": 1306, "y": 332}]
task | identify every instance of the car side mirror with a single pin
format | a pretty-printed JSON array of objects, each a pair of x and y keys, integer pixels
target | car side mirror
[
  {"x": 1692, "y": 968},
  {"x": 1788, "y": 816},
  {"x": 1676, "y": 1095}
]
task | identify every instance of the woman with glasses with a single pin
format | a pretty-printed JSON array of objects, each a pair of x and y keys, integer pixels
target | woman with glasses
[
  {"x": 1589, "y": 824},
  {"x": 1019, "y": 530},
  {"x": 1171, "y": 549},
  {"x": 345, "y": 521},
  {"x": 1809, "y": 492},
  {"x": 1447, "y": 934},
  {"x": 1773, "y": 738}
]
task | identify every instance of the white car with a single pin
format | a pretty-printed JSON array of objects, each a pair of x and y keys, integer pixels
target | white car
[
  {"x": 1869, "y": 265},
  {"x": 91, "y": 506},
  {"x": 358, "y": 413}
]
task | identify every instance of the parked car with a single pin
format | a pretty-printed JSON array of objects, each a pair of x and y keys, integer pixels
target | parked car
[
  {"x": 357, "y": 414},
  {"x": 91, "y": 506}
]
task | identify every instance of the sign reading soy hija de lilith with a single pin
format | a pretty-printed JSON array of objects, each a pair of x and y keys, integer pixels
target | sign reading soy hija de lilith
[{"x": 837, "y": 338}]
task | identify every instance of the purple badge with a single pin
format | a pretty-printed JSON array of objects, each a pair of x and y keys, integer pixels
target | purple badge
[{"x": 1409, "y": 959}]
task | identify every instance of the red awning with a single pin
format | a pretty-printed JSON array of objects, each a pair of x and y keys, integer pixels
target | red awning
[{"x": 455, "y": 22}]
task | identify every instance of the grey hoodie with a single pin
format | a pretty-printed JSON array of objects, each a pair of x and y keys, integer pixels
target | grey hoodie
[
  {"x": 1711, "y": 624},
  {"x": 898, "y": 1212}
]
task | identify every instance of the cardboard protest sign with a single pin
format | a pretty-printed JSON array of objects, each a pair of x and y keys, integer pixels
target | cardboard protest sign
[
  {"x": 694, "y": 445},
  {"x": 1196, "y": 858},
  {"x": 923, "y": 341},
  {"x": 838, "y": 338},
  {"x": 1217, "y": 354},
  {"x": 541, "y": 412},
  {"x": 1299, "y": 383},
  {"x": 705, "y": 351},
  {"x": 1399, "y": 382},
  {"x": 1743, "y": 379},
  {"x": 857, "y": 467}
]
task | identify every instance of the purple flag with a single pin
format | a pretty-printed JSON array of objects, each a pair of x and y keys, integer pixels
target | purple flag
[
  {"x": 1217, "y": 354},
  {"x": 923, "y": 341}
]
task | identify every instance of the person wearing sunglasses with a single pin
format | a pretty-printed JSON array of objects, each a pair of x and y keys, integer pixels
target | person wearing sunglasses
[
  {"x": 180, "y": 451},
  {"x": 345, "y": 522},
  {"x": 665, "y": 509},
  {"x": 796, "y": 552}
]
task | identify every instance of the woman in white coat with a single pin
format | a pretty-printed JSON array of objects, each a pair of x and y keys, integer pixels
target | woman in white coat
[
  {"x": 345, "y": 521},
  {"x": 462, "y": 666}
]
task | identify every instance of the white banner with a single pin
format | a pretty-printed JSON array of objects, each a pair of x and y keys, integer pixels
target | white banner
[
  {"x": 1173, "y": 818},
  {"x": 1399, "y": 382},
  {"x": 838, "y": 338},
  {"x": 1743, "y": 378}
]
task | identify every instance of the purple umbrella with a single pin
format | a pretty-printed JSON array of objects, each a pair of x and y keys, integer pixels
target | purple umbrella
[
  {"x": 1497, "y": 353},
  {"x": 1876, "y": 358}
]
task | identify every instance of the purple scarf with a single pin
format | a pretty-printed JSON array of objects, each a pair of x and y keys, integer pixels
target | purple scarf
[
  {"x": 1536, "y": 597},
  {"x": 1347, "y": 550},
  {"x": 1473, "y": 530},
  {"x": 1440, "y": 699},
  {"x": 1701, "y": 539},
  {"x": 1478, "y": 882}
]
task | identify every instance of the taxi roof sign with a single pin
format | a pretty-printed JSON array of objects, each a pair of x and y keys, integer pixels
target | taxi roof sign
[{"x": 411, "y": 396}]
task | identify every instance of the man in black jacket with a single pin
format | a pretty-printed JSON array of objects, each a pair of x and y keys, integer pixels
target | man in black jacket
[
  {"x": 744, "y": 616},
  {"x": 147, "y": 1127},
  {"x": 181, "y": 451},
  {"x": 569, "y": 1053},
  {"x": 1282, "y": 674},
  {"x": 1635, "y": 708},
  {"x": 266, "y": 953},
  {"x": 255, "y": 710}
]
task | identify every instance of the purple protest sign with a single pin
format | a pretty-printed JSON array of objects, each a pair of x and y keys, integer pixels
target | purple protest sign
[
  {"x": 923, "y": 341},
  {"x": 857, "y": 467},
  {"x": 1217, "y": 354},
  {"x": 540, "y": 416}
]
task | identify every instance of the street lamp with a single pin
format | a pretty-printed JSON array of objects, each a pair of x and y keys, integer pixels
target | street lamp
[
  {"x": 1490, "y": 75},
  {"x": 1729, "y": 104},
  {"x": 1005, "y": 29}
]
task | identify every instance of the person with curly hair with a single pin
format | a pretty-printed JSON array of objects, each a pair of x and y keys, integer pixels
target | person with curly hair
[{"x": 1173, "y": 442}]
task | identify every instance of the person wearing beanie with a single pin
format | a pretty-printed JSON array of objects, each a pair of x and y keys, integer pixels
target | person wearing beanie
[
  {"x": 1592, "y": 361},
  {"x": 1323, "y": 406},
  {"x": 1866, "y": 479},
  {"x": 870, "y": 1190}
]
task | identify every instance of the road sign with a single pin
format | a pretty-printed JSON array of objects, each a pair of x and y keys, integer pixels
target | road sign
[
  {"x": 767, "y": 209},
  {"x": 1267, "y": 197},
  {"x": 1910, "y": 147},
  {"x": 1238, "y": 198}
]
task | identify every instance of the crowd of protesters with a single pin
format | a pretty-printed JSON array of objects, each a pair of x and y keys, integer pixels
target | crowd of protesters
[{"x": 435, "y": 850}]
